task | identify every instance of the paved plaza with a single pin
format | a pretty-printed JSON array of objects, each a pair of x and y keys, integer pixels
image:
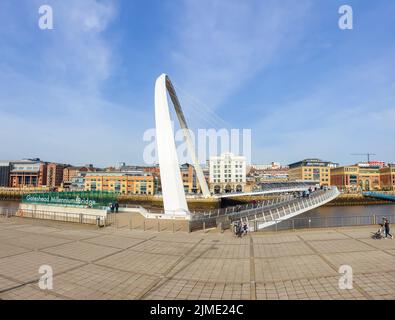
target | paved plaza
[{"x": 118, "y": 263}]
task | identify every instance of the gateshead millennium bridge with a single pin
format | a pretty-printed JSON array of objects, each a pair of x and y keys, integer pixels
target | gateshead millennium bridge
[{"x": 174, "y": 199}]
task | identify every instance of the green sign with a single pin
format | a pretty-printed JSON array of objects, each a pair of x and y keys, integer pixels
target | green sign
[{"x": 91, "y": 199}]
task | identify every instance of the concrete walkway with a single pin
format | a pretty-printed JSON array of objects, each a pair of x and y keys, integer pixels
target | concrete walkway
[{"x": 116, "y": 263}]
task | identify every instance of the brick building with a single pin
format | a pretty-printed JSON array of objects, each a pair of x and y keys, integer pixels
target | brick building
[
  {"x": 28, "y": 173},
  {"x": 387, "y": 177},
  {"x": 55, "y": 174}
]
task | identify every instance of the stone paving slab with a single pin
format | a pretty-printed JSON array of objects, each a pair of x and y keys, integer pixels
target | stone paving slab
[
  {"x": 322, "y": 235},
  {"x": 29, "y": 292},
  {"x": 347, "y": 245},
  {"x": 382, "y": 244},
  {"x": 281, "y": 249},
  {"x": 140, "y": 262},
  {"x": 215, "y": 270},
  {"x": 75, "y": 234},
  {"x": 125, "y": 232},
  {"x": 221, "y": 251},
  {"x": 10, "y": 250},
  {"x": 226, "y": 239},
  {"x": 195, "y": 290},
  {"x": 114, "y": 241},
  {"x": 38, "y": 229},
  {"x": 25, "y": 267},
  {"x": 97, "y": 282},
  {"x": 81, "y": 251},
  {"x": 6, "y": 284},
  {"x": 19, "y": 226},
  {"x": 360, "y": 232},
  {"x": 178, "y": 237},
  {"x": 377, "y": 285},
  {"x": 322, "y": 288},
  {"x": 270, "y": 239},
  {"x": 166, "y": 248},
  {"x": 35, "y": 241},
  {"x": 288, "y": 268},
  {"x": 10, "y": 234},
  {"x": 364, "y": 261}
]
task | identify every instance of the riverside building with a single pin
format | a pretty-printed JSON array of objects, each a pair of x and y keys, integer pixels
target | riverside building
[
  {"x": 387, "y": 177},
  {"x": 363, "y": 177},
  {"x": 314, "y": 170},
  {"x": 121, "y": 182},
  {"x": 227, "y": 173},
  {"x": 30, "y": 173}
]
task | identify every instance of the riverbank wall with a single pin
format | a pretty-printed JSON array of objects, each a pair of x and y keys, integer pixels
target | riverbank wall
[{"x": 356, "y": 199}]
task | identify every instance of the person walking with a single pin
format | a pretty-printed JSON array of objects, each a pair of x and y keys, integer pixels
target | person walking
[
  {"x": 239, "y": 229},
  {"x": 387, "y": 229},
  {"x": 245, "y": 228}
]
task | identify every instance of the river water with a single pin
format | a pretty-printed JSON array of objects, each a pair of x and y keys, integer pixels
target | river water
[
  {"x": 339, "y": 211},
  {"x": 326, "y": 211}
]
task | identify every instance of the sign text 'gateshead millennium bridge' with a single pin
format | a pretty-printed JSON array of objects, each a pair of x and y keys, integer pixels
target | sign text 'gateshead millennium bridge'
[{"x": 77, "y": 199}]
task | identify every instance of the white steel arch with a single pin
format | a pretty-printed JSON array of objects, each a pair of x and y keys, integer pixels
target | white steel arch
[{"x": 174, "y": 200}]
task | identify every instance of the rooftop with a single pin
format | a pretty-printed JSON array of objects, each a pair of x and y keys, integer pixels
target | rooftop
[
  {"x": 117, "y": 173},
  {"x": 312, "y": 162}
]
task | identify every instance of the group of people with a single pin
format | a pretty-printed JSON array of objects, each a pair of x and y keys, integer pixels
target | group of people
[
  {"x": 384, "y": 229},
  {"x": 114, "y": 207},
  {"x": 240, "y": 229}
]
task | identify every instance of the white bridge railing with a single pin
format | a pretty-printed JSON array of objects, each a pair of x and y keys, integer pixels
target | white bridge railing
[{"x": 272, "y": 216}]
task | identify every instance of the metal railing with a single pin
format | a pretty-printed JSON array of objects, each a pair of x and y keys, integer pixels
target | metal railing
[
  {"x": 290, "y": 210},
  {"x": 322, "y": 222},
  {"x": 265, "y": 214},
  {"x": 81, "y": 218}
]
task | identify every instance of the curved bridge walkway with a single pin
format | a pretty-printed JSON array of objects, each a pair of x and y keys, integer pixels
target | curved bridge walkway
[
  {"x": 267, "y": 214},
  {"x": 270, "y": 216}
]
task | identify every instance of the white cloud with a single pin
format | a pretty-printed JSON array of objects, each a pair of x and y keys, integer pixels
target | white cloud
[
  {"x": 59, "y": 112},
  {"x": 221, "y": 44}
]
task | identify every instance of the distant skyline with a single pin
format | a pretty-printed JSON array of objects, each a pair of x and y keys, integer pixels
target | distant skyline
[{"x": 84, "y": 91}]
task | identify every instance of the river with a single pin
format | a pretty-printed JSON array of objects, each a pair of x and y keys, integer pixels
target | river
[{"x": 363, "y": 210}]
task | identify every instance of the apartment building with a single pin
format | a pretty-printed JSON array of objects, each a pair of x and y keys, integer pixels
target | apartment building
[
  {"x": 311, "y": 170},
  {"x": 121, "y": 182},
  {"x": 227, "y": 173}
]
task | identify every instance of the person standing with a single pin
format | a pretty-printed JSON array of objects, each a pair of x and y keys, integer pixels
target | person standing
[{"x": 387, "y": 229}]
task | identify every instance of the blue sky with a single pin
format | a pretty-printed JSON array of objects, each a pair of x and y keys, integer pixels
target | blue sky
[{"x": 83, "y": 92}]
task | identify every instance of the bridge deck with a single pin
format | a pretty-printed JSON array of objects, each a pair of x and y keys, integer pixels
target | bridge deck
[{"x": 379, "y": 195}]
